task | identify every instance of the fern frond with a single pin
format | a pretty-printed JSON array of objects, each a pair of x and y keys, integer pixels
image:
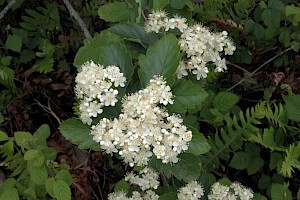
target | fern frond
[
  {"x": 291, "y": 160},
  {"x": 277, "y": 115},
  {"x": 231, "y": 137},
  {"x": 47, "y": 19}
]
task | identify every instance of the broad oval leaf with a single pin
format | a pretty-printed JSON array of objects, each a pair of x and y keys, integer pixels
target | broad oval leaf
[
  {"x": 10, "y": 194},
  {"x": 49, "y": 186},
  {"x": 23, "y": 139},
  {"x": 187, "y": 95},
  {"x": 292, "y": 106},
  {"x": 14, "y": 43},
  {"x": 3, "y": 136},
  {"x": 41, "y": 134},
  {"x": 134, "y": 32},
  {"x": 188, "y": 167},
  {"x": 65, "y": 176},
  {"x": 38, "y": 175},
  {"x": 92, "y": 47},
  {"x": 198, "y": 145},
  {"x": 224, "y": 101},
  {"x": 114, "y": 12},
  {"x": 61, "y": 190},
  {"x": 240, "y": 160},
  {"x": 280, "y": 192},
  {"x": 31, "y": 154},
  {"x": 79, "y": 134},
  {"x": 116, "y": 54},
  {"x": 162, "y": 58}
]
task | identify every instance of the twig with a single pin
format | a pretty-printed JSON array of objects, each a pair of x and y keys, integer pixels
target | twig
[
  {"x": 49, "y": 110},
  {"x": 238, "y": 67},
  {"x": 9, "y": 5},
  {"x": 74, "y": 14},
  {"x": 257, "y": 69}
]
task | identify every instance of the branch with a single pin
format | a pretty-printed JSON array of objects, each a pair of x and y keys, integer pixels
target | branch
[
  {"x": 9, "y": 5},
  {"x": 257, "y": 69},
  {"x": 74, "y": 14}
]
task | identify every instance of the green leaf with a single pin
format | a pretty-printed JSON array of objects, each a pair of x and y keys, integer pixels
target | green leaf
[
  {"x": 198, "y": 145},
  {"x": 3, "y": 136},
  {"x": 271, "y": 17},
  {"x": 134, "y": 32},
  {"x": 280, "y": 192},
  {"x": 258, "y": 196},
  {"x": 41, "y": 134},
  {"x": 92, "y": 47},
  {"x": 285, "y": 37},
  {"x": 116, "y": 54},
  {"x": 31, "y": 154},
  {"x": 14, "y": 43},
  {"x": 122, "y": 185},
  {"x": 38, "y": 161},
  {"x": 298, "y": 194},
  {"x": 79, "y": 134},
  {"x": 162, "y": 58},
  {"x": 114, "y": 12},
  {"x": 240, "y": 160},
  {"x": 49, "y": 153},
  {"x": 8, "y": 148},
  {"x": 156, "y": 164},
  {"x": 30, "y": 191},
  {"x": 291, "y": 10},
  {"x": 6, "y": 61},
  {"x": 168, "y": 196},
  {"x": 292, "y": 105},
  {"x": 10, "y": 194},
  {"x": 159, "y": 4},
  {"x": 61, "y": 190},
  {"x": 49, "y": 186},
  {"x": 65, "y": 176},
  {"x": 224, "y": 101},
  {"x": 177, "y": 4},
  {"x": 275, "y": 158},
  {"x": 255, "y": 165},
  {"x": 249, "y": 25},
  {"x": 188, "y": 167},
  {"x": 8, "y": 183},
  {"x": 276, "y": 4},
  {"x": 259, "y": 31},
  {"x": 43, "y": 66},
  {"x": 38, "y": 174},
  {"x": 7, "y": 76},
  {"x": 23, "y": 139},
  {"x": 187, "y": 95}
]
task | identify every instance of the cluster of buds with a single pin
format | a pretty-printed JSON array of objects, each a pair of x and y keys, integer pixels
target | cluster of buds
[
  {"x": 96, "y": 88},
  {"x": 201, "y": 46},
  {"x": 144, "y": 127}
]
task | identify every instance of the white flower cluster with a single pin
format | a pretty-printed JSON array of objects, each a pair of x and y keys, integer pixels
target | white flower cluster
[
  {"x": 159, "y": 20},
  {"x": 144, "y": 127},
  {"x": 147, "y": 179},
  {"x": 192, "y": 191},
  {"x": 148, "y": 195},
  {"x": 201, "y": 46},
  {"x": 234, "y": 192},
  {"x": 95, "y": 88}
]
